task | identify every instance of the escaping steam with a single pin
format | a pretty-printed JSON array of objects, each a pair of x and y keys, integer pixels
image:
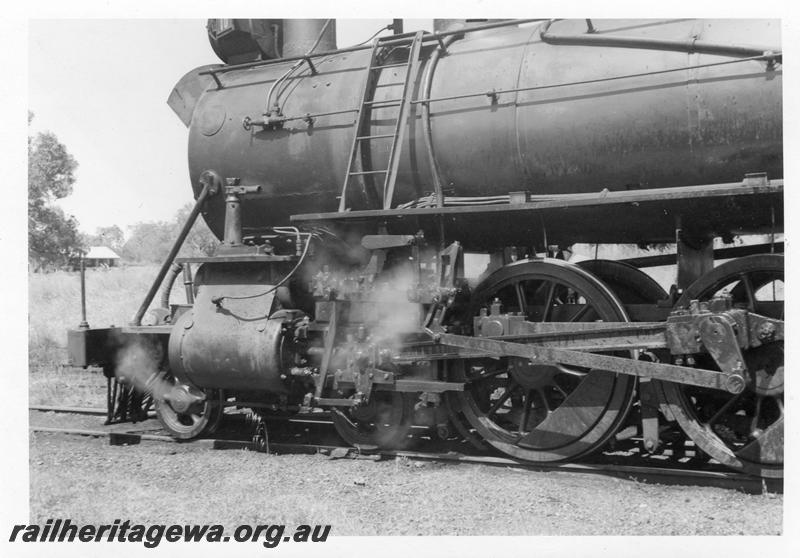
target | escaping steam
[
  {"x": 137, "y": 363},
  {"x": 384, "y": 302},
  {"x": 398, "y": 316}
]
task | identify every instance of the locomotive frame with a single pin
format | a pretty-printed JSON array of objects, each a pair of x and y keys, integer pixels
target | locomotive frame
[{"x": 543, "y": 359}]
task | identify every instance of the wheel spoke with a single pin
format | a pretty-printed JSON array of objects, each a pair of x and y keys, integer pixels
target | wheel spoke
[
  {"x": 543, "y": 397},
  {"x": 558, "y": 388},
  {"x": 724, "y": 408},
  {"x": 756, "y": 415},
  {"x": 748, "y": 288},
  {"x": 499, "y": 403},
  {"x": 580, "y": 313},
  {"x": 548, "y": 300},
  {"x": 521, "y": 298},
  {"x": 526, "y": 411}
]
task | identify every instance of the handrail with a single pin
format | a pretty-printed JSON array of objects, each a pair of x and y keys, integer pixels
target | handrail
[{"x": 497, "y": 92}]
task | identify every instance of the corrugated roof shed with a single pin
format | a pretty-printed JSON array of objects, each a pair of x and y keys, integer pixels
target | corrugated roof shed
[{"x": 101, "y": 253}]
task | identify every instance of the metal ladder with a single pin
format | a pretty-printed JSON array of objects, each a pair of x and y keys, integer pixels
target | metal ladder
[{"x": 358, "y": 158}]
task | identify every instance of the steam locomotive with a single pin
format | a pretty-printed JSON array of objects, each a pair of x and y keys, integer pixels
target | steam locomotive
[{"x": 391, "y": 217}]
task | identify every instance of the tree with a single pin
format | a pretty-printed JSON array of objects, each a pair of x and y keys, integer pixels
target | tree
[
  {"x": 151, "y": 241},
  {"x": 148, "y": 242},
  {"x": 53, "y": 237},
  {"x": 200, "y": 240}
]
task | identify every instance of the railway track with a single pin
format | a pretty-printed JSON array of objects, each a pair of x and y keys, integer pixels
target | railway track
[{"x": 650, "y": 470}]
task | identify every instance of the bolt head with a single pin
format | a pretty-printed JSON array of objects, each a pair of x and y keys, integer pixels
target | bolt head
[
  {"x": 766, "y": 331},
  {"x": 735, "y": 384}
]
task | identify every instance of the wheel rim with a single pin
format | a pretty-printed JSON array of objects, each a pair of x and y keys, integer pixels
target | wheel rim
[
  {"x": 546, "y": 413},
  {"x": 199, "y": 419},
  {"x": 630, "y": 284},
  {"x": 384, "y": 422},
  {"x": 742, "y": 431}
]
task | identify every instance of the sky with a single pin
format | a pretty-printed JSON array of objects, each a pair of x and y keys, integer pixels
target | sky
[{"x": 101, "y": 86}]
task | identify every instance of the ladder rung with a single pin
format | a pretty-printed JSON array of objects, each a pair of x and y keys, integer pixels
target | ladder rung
[
  {"x": 369, "y": 172},
  {"x": 385, "y": 101},
  {"x": 375, "y": 137}
]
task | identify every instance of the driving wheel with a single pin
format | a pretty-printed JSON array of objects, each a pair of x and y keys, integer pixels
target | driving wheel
[
  {"x": 743, "y": 431},
  {"x": 545, "y": 412}
]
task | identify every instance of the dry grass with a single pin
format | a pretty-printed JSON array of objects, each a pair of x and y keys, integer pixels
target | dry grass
[{"x": 112, "y": 298}]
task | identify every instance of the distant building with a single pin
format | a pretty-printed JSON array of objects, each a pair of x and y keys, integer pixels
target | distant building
[{"x": 101, "y": 256}]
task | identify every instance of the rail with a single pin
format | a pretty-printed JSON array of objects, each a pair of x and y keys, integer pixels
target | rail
[{"x": 658, "y": 471}]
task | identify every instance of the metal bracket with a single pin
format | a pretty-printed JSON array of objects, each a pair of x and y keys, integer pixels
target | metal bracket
[
  {"x": 756, "y": 180},
  {"x": 308, "y": 61},
  {"x": 648, "y": 408},
  {"x": 719, "y": 338}
]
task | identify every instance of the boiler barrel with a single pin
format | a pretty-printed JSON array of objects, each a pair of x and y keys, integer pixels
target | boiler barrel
[{"x": 565, "y": 118}]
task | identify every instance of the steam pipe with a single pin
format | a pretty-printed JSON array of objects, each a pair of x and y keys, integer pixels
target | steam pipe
[
  {"x": 211, "y": 185},
  {"x": 689, "y": 46},
  {"x": 174, "y": 270},
  {"x": 304, "y": 57},
  {"x": 188, "y": 283},
  {"x": 426, "y": 118}
]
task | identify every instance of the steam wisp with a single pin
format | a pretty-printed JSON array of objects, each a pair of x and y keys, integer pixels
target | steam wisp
[{"x": 137, "y": 364}]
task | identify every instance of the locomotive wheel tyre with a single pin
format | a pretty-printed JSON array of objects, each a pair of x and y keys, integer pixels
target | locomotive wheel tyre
[
  {"x": 383, "y": 423},
  {"x": 593, "y": 404},
  {"x": 699, "y": 410},
  {"x": 204, "y": 418}
]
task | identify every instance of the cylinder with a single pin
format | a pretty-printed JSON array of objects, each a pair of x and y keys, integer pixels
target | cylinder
[
  {"x": 564, "y": 119},
  {"x": 226, "y": 340}
]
